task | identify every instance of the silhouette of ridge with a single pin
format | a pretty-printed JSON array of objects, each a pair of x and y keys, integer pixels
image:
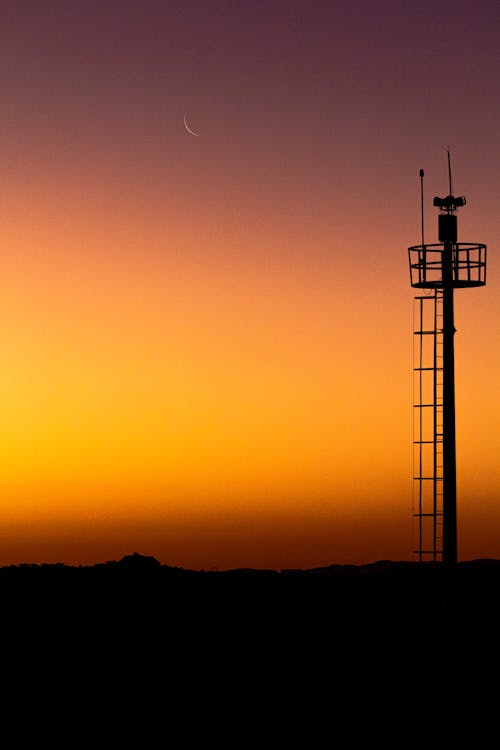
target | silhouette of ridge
[
  {"x": 135, "y": 562},
  {"x": 394, "y": 588},
  {"x": 332, "y": 649}
]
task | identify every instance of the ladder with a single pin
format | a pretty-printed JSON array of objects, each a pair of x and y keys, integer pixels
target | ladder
[{"x": 428, "y": 426}]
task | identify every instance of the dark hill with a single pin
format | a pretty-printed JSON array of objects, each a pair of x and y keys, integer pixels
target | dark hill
[
  {"x": 345, "y": 592},
  {"x": 394, "y": 654}
]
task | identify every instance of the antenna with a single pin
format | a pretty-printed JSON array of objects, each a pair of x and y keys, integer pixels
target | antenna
[
  {"x": 449, "y": 204},
  {"x": 449, "y": 171},
  {"x": 422, "y": 202},
  {"x": 440, "y": 268}
]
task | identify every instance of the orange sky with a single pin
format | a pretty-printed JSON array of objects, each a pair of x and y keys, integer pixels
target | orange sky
[{"x": 206, "y": 342}]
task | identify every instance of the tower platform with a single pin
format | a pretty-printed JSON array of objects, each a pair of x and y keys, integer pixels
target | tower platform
[{"x": 468, "y": 265}]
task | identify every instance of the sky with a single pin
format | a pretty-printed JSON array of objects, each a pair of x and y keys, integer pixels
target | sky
[{"x": 206, "y": 340}]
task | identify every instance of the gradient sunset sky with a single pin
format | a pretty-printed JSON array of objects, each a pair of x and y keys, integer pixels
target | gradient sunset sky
[{"x": 205, "y": 341}]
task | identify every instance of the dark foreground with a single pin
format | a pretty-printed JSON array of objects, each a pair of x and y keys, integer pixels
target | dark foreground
[
  {"x": 348, "y": 656},
  {"x": 384, "y": 592}
]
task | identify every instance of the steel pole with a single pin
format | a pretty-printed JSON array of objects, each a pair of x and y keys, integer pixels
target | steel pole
[{"x": 449, "y": 442}]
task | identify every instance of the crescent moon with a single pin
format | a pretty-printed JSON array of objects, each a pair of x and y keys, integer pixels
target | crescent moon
[{"x": 189, "y": 129}]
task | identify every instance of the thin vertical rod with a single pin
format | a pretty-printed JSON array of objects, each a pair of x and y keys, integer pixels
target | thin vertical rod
[
  {"x": 449, "y": 446},
  {"x": 421, "y": 426},
  {"x": 422, "y": 203},
  {"x": 435, "y": 395},
  {"x": 449, "y": 171}
]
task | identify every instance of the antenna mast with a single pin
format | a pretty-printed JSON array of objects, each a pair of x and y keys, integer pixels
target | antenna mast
[
  {"x": 449, "y": 170},
  {"x": 422, "y": 201},
  {"x": 442, "y": 268}
]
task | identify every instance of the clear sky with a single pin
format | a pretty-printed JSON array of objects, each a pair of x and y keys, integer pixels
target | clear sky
[{"x": 205, "y": 341}]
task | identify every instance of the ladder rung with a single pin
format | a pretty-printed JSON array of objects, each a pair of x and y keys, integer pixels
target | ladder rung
[
  {"x": 426, "y": 515},
  {"x": 427, "y": 552}
]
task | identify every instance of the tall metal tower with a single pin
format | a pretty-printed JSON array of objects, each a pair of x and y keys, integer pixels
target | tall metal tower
[{"x": 439, "y": 268}]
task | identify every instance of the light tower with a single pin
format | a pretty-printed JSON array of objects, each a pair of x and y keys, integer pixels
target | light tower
[{"x": 440, "y": 269}]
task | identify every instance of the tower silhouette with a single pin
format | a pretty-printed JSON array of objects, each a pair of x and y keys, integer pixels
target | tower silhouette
[{"x": 440, "y": 269}]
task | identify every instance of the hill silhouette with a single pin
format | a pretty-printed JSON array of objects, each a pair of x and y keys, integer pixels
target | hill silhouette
[
  {"x": 391, "y": 589},
  {"x": 391, "y": 652}
]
